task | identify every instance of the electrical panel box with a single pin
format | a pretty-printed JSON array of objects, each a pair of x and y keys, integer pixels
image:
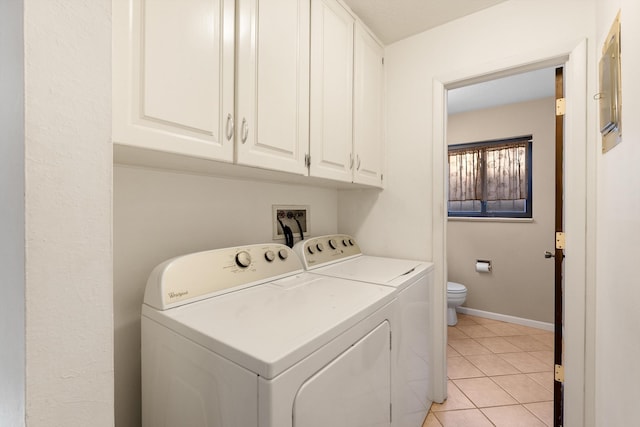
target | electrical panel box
[{"x": 610, "y": 95}]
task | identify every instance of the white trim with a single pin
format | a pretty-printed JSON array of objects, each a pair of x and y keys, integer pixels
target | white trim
[
  {"x": 506, "y": 318},
  {"x": 577, "y": 142},
  {"x": 439, "y": 242},
  {"x": 488, "y": 219}
]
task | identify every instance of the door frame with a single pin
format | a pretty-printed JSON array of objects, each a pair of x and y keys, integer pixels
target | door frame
[
  {"x": 558, "y": 261},
  {"x": 579, "y": 207}
]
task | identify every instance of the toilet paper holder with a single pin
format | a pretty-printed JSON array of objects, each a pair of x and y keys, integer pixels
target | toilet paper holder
[{"x": 483, "y": 266}]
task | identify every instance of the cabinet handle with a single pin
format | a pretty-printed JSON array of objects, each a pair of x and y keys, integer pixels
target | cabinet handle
[
  {"x": 358, "y": 167},
  {"x": 245, "y": 130},
  {"x": 351, "y": 161},
  {"x": 230, "y": 127}
]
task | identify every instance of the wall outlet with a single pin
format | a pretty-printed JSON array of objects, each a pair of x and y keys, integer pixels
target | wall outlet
[{"x": 290, "y": 215}]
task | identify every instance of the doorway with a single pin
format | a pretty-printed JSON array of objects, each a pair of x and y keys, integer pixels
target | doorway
[
  {"x": 501, "y": 134},
  {"x": 579, "y": 371},
  {"x": 502, "y": 220}
]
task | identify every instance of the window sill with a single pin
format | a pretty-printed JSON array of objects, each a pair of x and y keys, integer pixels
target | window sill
[{"x": 487, "y": 219}]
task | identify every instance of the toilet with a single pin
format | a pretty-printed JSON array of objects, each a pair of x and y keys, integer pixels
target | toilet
[{"x": 456, "y": 294}]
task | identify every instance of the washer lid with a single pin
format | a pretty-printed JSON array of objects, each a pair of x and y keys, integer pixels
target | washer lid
[
  {"x": 378, "y": 270},
  {"x": 270, "y": 327}
]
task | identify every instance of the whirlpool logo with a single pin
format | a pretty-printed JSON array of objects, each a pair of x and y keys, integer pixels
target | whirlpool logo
[{"x": 178, "y": 294}]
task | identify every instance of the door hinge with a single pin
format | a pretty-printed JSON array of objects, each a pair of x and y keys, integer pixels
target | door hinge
[
  {"x": 560, "y": 107},
  {"x": 559, "y": 373},
  {"x": 307, "y": 160},
  {"x": 560, "y": 240}
]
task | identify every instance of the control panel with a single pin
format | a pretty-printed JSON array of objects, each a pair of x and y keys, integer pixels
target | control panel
[
  {"x": 201, "y": 275},
  {"x": 322, "y": 250}
]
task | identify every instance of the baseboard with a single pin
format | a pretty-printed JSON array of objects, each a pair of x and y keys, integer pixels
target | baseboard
[{"x": 506, "y": 318}]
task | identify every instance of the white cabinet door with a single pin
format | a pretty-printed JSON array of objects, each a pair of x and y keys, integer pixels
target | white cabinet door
[
  {"x": 173, "y": 76},
  {"x": 368, "y": 109},
  {"x": 331, "y": 132},
  {"x": 273, "y": 84}
]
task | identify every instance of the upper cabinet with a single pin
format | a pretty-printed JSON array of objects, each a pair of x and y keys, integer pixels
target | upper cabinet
[
  {"x": 346, "y": 97},
  {"x": 368, "y": 117},
  {"x": 273, "y": 84},
  {"x": 287, "y": 85},
  {"x": 173, "y": 76},
  {"x": 331, "y": 133}
]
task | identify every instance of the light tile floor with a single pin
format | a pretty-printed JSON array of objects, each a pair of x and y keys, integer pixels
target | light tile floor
[{"x": 499, "y": 374}]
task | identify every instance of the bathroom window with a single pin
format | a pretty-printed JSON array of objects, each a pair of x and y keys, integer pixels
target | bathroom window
[{"x": 491, "y": 179}]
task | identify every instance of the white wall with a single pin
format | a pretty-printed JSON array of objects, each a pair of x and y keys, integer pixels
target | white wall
[
  {"x": 68, "y": 165},
  {"x": 161, "y": 214},
  {"x": 12, "y": 369},
  {"x": 521, "y": 282},
  {"x": 618, "y": 237}
]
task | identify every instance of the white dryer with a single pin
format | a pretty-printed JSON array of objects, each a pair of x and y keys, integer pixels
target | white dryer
[
  {"x": 243, "y": 337},
  {"x": 413, "y": 375}
]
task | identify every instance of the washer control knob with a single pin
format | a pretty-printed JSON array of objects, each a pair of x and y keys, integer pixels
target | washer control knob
[
  {"x": 344, "y": 242},
  {"x": 351, "y": 242},
  {"x": 333, "y": 244},
  {"x": 311, "y": 250},
  {"x": 243, "y": 259},
  {"x": 283, "y": 254},
  {"x": 269, "y": 255},
  {"x": 320, "y": 247}
]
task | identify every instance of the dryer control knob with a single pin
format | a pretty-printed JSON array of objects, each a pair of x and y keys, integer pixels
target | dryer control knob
[
  {"x": 344, "y": 242},
  {"x": 243, "y": 259},
  {"x": 351, "y": 242},
  {"x": 311, "y": 250},
  {"x": 269, "y": 256},
  {"x": 333, "y": 244},
  {"x": 320, "y": 247},
  {"x": 283, "y": 254}
]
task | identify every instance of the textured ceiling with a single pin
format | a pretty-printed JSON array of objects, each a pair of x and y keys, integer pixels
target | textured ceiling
[{"x": 393, "y": 20}]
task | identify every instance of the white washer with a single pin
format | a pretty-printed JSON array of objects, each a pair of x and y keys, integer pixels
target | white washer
[
  {"x": 413, "y": 376},
  {"x": 243, "y": 337}
]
